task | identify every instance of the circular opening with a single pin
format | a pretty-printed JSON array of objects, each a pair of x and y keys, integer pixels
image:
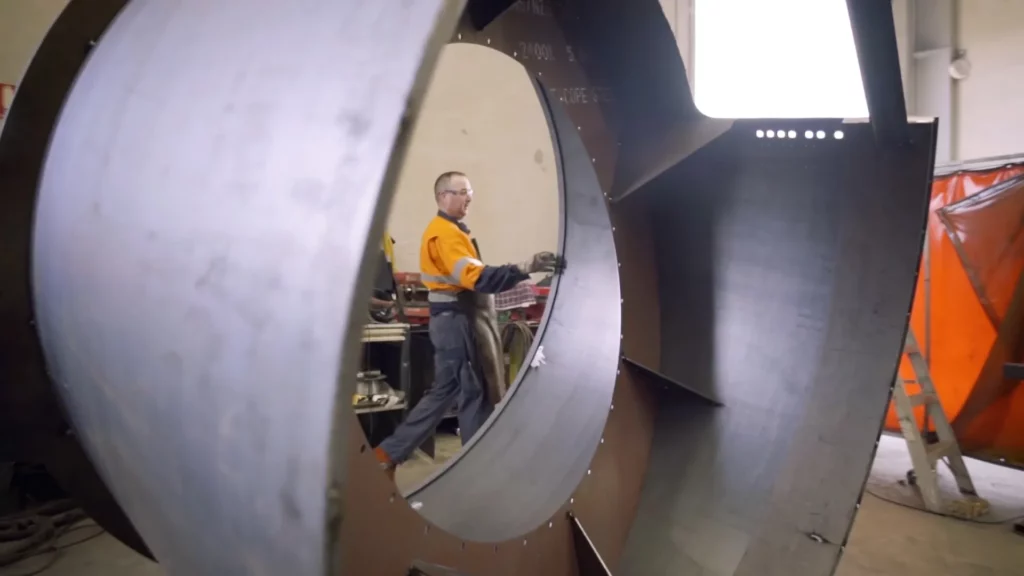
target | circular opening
[
  {"x": 760, "y": 133},
  {"x": 838, "y": 134},
  {"x": 809, "y": 134},
  {"x": 820, "y": 134},
  {"x": 792, "y": 134},
  {"x": 493, "y": 163},
  {"x": 529, "y": 193},
  {"x": 771, "y": 133}
]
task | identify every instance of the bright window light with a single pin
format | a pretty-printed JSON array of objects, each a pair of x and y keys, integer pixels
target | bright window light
[{"x": 776, "y": 59}]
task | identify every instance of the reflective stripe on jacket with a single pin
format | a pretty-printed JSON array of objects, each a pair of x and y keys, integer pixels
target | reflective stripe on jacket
[{"x": 450, "y": 263}]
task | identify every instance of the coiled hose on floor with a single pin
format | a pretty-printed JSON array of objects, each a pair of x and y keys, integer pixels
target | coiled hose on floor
[{"x": 516, "y": 339}]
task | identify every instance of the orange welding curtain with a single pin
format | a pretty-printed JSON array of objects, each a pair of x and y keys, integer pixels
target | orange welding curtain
[{"x": 962, "y": 302}]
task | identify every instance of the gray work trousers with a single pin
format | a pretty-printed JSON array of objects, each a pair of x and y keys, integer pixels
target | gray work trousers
[{"x": 457, "y": 376}]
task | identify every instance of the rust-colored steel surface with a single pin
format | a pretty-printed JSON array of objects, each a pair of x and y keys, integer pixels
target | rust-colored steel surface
[{"x": 200, "y": 271}]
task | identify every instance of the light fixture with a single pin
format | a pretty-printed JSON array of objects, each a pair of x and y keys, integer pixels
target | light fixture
[
  {"x": 809, "y": 134},
  {"x": 792, "y": 133},
  {"x": 821, "y": 134},
  {"x": 838, "y": 134},
  {"x": 771, "y": 133},
  {"x": 760, "y": 133}
]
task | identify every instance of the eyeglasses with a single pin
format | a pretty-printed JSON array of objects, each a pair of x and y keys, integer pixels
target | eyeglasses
[{"x": 462, "y": 192}]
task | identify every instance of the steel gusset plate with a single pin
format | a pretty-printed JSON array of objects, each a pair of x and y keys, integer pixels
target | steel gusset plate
[{"x": 200, "y": 271}]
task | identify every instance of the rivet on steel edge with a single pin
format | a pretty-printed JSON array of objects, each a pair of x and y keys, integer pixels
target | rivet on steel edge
[
  {"x": 572, "y": 500},
  {"x": 488, "y": 41},
  {"x": 612, "y": 407},
  {"x": 613, "y": 228},
  {"x": 551, "y": 524},
  {"x": 459, "y": 36},
  {"x": 592, "y": 160},
  {"x": 391, "y": 499},
  {"x": 515, "y": 54},
  {"x": 524, "y": 542},
  {"x": 588, "y": 472},
  {"x": 602, "y": 440}
]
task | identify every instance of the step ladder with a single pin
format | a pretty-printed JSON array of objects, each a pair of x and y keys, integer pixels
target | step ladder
[{"x": 926, "y": 455}]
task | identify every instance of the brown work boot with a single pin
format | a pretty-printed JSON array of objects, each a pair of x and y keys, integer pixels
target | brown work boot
[{"x": 385, "y": 463}]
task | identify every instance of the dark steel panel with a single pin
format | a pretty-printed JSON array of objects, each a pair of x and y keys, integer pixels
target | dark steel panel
[
  {"x": 663, "y": 382},
  {"x": 874, "y": 35},
  {"x": 786, "y": 270},
  {"x": 201, "y": 260},
  {"x": 32, "y": 424}
]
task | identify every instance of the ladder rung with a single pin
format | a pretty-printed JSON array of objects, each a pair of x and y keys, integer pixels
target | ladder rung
[
  {"x": 940, "y": 450},
  {"x": 910, "y": 347},
  {"x": 923, "y": 399}
]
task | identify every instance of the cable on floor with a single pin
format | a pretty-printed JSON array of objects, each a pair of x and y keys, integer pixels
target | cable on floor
[{"x": 38, "y": 531}]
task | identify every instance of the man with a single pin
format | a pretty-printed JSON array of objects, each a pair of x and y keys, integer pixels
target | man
[{"x": 451, "y": 269}]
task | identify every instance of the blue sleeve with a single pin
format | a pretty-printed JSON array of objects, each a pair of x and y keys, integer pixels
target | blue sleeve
[{"x": 496, "y": 279}]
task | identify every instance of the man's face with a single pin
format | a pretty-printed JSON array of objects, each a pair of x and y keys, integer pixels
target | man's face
[{"x": 456, "y": 197}]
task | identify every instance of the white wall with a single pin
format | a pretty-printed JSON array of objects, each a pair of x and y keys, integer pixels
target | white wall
[
  {"x": 985, "y": 110},
  {"x": 989, "y": 104}
]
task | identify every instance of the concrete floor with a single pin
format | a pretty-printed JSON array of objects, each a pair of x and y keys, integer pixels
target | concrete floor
[{"x": 887, "y": 540}]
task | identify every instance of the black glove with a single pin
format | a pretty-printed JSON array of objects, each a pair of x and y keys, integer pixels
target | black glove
[{"x": 542, "y": 262}]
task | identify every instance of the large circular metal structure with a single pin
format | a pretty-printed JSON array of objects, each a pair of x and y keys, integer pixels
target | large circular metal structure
[{"x": 719, "y": 352}]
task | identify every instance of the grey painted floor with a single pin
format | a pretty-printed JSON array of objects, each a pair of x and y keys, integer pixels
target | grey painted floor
[{"x": 888, "y": 539}]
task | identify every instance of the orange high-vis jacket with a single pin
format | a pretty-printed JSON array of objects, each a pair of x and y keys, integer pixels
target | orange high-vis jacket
[{"x": 450, "y": 263}]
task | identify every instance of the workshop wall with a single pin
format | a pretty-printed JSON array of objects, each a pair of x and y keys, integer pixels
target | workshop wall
[
  {"x": 982, "y": 111},
  {"x": 989, "y": 104},
  {"x": 23, "y": 24},
  {"x": 481, "y": 116}
]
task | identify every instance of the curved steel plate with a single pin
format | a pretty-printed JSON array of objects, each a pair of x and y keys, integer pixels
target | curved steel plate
[{"x": 199, "y": 245}]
